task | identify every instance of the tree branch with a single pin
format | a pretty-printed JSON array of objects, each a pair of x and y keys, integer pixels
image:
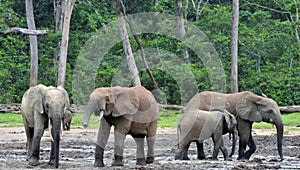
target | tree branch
[{"x": 26, "y": 31}]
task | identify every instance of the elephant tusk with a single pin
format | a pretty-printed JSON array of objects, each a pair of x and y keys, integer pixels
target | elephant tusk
[
  {"x": 101, "y": 114},
  {"x": 50, "y": 134},
  {"x": 61, "y": 131}
]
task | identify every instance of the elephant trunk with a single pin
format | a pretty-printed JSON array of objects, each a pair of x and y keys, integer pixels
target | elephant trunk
[
  {"x": 279, "y": 128},
  {"x": 234, "y": 139},
  {"x": 56, "y": 133},
  {"x": 86, "y": 119}
]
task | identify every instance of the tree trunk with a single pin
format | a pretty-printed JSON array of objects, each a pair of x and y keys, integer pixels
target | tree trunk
[
  {"x": 64, "y": 43},
  {"x": 59, "y": 6},
  {"x": 134, "y": 73},
  {"x": 180, "y": 25},
  {"x": 234, "y": 47},
  {"x": 33, "y": 44}
]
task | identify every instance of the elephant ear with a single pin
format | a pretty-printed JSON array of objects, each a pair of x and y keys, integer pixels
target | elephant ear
[
  {"x": 248, "y": 108},
  {"x": 126, "y": 101},
  {"x": 36, "y": 98},
  {"x": 66, "y": 97}
]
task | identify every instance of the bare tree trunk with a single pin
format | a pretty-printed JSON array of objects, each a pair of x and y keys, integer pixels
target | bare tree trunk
[
  {"x": 64, "y": 43},
  {"x": 134, "y": 73},
  {"x": 59, "y": 6},
  {"x": 234, "y": 47},
  {"x": 33, "y": 44},
  {"x": 180, "y": 25}
]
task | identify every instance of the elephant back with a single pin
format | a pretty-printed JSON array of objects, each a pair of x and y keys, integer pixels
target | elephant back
[{"x": 148, "y": 108}]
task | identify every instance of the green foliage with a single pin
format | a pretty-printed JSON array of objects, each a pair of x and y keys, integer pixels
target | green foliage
[
  {"x": 168, "y": 118},
  {"x": 11, "y": 120},
  {"x": 269, "y": 54}
]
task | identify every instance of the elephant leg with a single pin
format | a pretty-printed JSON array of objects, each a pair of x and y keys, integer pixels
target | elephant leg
[
  {"x": 69, "y": 124},
  {"x": 218, "y": 142},
  {"x": 29, "y": 134},
  {"x": 37, "y": 135},
  {"x": 244, "y": 129},
  {"x": 185, "y": 152},
  {"x": 224, "y": 151},
  {"x": 103, "y": 134},
  {"x": 150, "y": 141},
  {"x": 121, "y": 130},
  {"x": 140, "y": 155},
  {"x": 252, "y": 147},
  {"x": 52, "y": 156},
  {"x": 200, "y": 150},
  {"x": 119, "y": 147}
]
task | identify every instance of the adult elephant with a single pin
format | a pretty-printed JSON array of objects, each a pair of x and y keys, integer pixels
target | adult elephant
[
  {"x": 43, "y": 107},
  {"x": 131, "y": 111},
  {"x": 247, "y": 108}
]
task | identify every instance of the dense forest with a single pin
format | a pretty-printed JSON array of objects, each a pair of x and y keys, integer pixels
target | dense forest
[{"x": 268, "y": 51}]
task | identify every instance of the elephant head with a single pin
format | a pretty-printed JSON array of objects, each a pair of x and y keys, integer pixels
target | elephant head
[
  {"x": 231, "y": 128},
  {"x": 256, "y": 108},
  {"x": 51, "y": 102},
  {"x": 117, "y": 101}
]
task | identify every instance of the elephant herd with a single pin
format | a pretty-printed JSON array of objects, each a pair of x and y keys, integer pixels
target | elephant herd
[{"x": 135, "y": 111}]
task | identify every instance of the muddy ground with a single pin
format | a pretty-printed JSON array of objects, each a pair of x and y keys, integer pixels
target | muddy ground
[{"x": 77, "y": 152}]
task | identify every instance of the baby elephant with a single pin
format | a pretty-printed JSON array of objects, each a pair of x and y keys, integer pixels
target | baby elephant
[
  {"x": 198, "y": 125},
  {"x": 67, "y": 119}
]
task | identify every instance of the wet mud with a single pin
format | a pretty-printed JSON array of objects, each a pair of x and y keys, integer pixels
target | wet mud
[{"x": 78, "y": 146}]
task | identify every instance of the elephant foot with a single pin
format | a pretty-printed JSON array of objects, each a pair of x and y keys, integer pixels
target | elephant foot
[
  {"x": 150, "y": 160},
  {"x": 185, "y": 158},
  {"x": 34, "y": 161},
  {"x": 214, "y": 158},
  {"x": 242, "y": 158},
  {"x": 178, "y": 156},
  {"x": 227, "y": 159},
  {"x": 51, "y": 162},
  {"x": 248, "y": 155},
  {"x": 140, "y": 161},
  {"x": 201, "y": 157},
  {"x": 98, "y": 163},
  {"x": 118, "y": 161}
]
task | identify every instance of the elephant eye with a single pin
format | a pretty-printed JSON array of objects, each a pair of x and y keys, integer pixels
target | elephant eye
[
  {"x": 47, "y": 105},
  {"x": 107, "y": 99}
]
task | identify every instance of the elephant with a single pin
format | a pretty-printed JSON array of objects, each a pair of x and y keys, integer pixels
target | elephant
[
  {"x": 247, "y": 107},
  {"x": 131, "y": 111},
  {"x": 67, "y": 119},
  {"x": 198, "y": 125},
  {"x": 43, "y": 107}
]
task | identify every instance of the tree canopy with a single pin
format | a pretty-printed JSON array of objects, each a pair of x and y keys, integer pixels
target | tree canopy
[{"x": 268, "y": 51}]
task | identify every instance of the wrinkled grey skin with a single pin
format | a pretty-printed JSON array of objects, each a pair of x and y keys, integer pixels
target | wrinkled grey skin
[
  {"x": 43, "y": 106},
  {"x": 131, "y": 111},
  {"x": 67, "y": 119},
  {"x": 247, "y": 108},
  {"x": 198, "y": 125}
]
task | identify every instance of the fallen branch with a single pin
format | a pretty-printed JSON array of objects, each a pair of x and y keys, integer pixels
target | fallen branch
[
  {"x": 289, "y": 109},
  {"x": 26, "y": 31},
  {"x": 172, "y": 107}
]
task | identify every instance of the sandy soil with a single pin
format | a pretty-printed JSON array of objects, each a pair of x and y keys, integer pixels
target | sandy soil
[{"x": 78, "y": 145}]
